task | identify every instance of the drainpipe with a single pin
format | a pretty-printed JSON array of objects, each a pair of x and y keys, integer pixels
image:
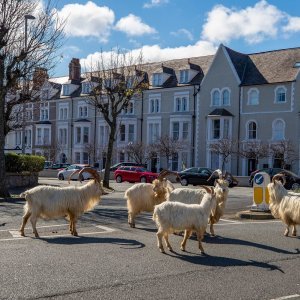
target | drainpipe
[
  {"x": 196, "y": 91},
  {"x": 142, "y": 115},
  {"x": 95, "y": 128},
  {"x": 71, "y": 148},
  {"x": 239, "y": 132}
]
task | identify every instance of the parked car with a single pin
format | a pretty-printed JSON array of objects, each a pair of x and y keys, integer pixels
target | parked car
[
  {"x": 59, "y": 166},
  {"x": 132, "y": 164},
  {"x": 134, "y": 174},
  {"x": 292, "y": 179},
  {"x": 47, "y": 164},
  {"x": 199, "y": 176},
  {"x": 65, "y": 173}
]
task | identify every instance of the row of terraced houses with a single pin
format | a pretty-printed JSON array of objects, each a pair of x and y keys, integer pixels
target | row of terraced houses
[{"x": 199, "y": 100}]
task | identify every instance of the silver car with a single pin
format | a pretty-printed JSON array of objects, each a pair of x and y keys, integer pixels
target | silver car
[{"x": 65, "y": 173}]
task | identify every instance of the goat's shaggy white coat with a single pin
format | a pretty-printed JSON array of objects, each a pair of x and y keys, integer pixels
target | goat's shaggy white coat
[
  {"x": 173, "y": 216},
  {"x": 195, "y": 196},
  {"x": 284, "y": 206},
  {"x": 51, "y": 202},
  {"x": 144, "y": 196}
]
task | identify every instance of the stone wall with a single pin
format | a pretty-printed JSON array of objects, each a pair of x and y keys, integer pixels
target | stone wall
[{"x": 21, "y": 180}]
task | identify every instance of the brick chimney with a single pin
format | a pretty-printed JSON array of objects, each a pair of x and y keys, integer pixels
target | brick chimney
[
  {"x": 74, "y": 70},
  {"x": 40, "y": 75}
]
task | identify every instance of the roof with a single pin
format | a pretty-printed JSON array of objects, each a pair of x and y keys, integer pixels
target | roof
[
  {"x": 222, "y": 112},
  {"x": 266, "y": 67}
]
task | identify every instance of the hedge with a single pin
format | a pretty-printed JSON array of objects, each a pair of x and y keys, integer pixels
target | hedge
[{"x": 18, "y": 163}]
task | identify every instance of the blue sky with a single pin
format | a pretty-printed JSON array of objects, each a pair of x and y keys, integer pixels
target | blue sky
[{"x": 167, "y": 29}]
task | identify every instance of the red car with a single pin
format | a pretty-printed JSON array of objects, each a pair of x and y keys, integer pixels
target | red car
[{"x": 134, "y": 174}]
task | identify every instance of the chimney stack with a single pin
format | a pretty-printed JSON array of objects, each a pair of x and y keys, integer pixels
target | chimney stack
[
  {"x": 74, "y": 70},
  {"x": 40, "y": 75}
]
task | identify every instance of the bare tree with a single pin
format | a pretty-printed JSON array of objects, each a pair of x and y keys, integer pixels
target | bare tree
[
  {"x": 168, "y": 147},
  {"x": 285, "y": 151},
  {"x": 50, "y": 150},
  {"x": 120, "y": 78},
  {"x": 22, "y": 50},
  {"x": 225, "y": 148},
  {"x": 254, "y": 150}
]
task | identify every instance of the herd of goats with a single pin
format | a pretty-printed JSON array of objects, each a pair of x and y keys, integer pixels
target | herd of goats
[{"x": 174, "y": 210}]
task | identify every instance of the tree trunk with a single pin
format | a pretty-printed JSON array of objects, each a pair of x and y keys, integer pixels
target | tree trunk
[
  {"x": 4, "y": 193},
  {"x": 109, "y": 154}
]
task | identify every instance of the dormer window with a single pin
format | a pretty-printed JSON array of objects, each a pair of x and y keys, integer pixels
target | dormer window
[
  {"x": 66, "y": 90},
  {"x": 184, "y": 76},
  {"x": 157, "y": 79},
  {"x": 86, "y": 88}
]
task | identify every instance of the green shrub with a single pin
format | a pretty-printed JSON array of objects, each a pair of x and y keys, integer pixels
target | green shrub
[{"x": 23, "y": 163}]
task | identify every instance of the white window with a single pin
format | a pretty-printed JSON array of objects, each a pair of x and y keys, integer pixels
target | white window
[
  {"x": 63, "y": 112},
  {"x": 131, "y": 136},
  {"x": 86, "y": 88},
  {"x": 83, "y": 110},
  {"x": 185, "y": 130},
  {"x": 184, "y": 76},
  {"x": 225, "y": 97},
  {"x": 62, "y": 137},
  {"x": 157, "y": 79},
  {"x": 181, "y": 103},
  {"x": 78, "y": 135},
  {"x": 154, "y": 133},
  {"x": 175, "y": 134},
  {"x": 85, "y": 158},
  {"x": 122, "y": 133},
  {"x": 154, "y": 105},
  {"x": 44, "y": 111},
  {"x": 175, "y": 162},
  {"x": 253, "y": 97},
  {"x": 77, "y": 158},
  {"x": 86, "y": 135},
  {"x": 129, "y": 109},
  {"x": 28, "y": 137},
  {"x": 29, "y": 111},
  {"x": 252, "y": 130},
  {"x": 103, "y": 134},
  {"x": 216, "y": 129},
  {"x": 66, "y": 90},
  {"x": 280, "y": 94},
  {"x": 18, "y": 138},
  {"x": 226, "y": 129},
  {"x": 278, "y": 127},
  {"x": 43, "y": 136},
  {"x": 216, "y": 98}
]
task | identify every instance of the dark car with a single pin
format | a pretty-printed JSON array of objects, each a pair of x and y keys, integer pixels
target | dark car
[
  {"x": 199, "y": 176},
  {"x": 292, "y": 179},
  {"x": 134, "y": 174}
]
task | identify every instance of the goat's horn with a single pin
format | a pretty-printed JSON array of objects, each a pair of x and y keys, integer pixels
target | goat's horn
[
  {"x": 207, "y": 189},
  {"x": 162, "y": 174},
  {"x": 218, "y": 171},
  {"x": 93, "y": 172},
  {"x": 278, "y": 177},
  {"x": 76, "y": 171}
]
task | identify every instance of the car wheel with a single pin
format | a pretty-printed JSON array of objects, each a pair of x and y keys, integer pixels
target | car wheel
[
  {"x": 61, "y": 177},
  {"x": 184, "y": 182},
  {"x": 143, "y": 179},
  {"x": 118, "y": 179},
  {"x": 295, "y": 186}
]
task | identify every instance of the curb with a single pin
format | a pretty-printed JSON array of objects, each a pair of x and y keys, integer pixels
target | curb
[{"x": 254, "y": 215}]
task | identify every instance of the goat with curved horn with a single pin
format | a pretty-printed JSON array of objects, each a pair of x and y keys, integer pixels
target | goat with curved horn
[{"x": 279, "y": 177}]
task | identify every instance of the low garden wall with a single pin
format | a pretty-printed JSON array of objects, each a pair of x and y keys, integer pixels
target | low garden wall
[{"x": 22, "y": 179}]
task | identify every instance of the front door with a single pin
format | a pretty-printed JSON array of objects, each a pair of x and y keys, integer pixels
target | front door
[{"x": 251, "y": 166}]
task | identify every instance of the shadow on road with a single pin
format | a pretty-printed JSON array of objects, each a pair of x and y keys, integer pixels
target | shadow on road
[
  {"x": 124, "y": 243},
  {"x": 218, "y": 261}
]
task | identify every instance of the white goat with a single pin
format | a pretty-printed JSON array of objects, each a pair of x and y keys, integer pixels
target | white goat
[
  {"x": 173, "y": 216},
  {"x": 144, "y": 196},
  {"x": 51, "y": 202},
  {"x": 194, "y": 196},
  {"x": 282, "y": 205}
]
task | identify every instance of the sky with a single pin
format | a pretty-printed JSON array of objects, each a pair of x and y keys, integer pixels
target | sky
[{"x": 169, "y": 29}]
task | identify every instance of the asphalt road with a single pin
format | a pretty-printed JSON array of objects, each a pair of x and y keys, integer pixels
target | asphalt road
[{"x": 110, "y": 260}]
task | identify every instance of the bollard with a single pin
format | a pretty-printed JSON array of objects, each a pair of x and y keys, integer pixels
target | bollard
[{"x": 260, "y": 192}]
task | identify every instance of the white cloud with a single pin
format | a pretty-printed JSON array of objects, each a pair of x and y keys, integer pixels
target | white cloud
[
  {"x": 153, "y": 3},
  {"x": 133, "y": 26},
  {"x": 88, "y": 20},
  {"x": 254, "y": 24},
  {"x": 183, "y": 33},
  {"x": 155, "y": 53},
  {"x": 293, "y": 25}
]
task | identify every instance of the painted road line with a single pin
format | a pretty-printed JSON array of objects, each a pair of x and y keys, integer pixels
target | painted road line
[
  {"x": 44, "y": 226},
  {"x": 16, "y": 234},
  {"x": 246, "y": 223},
  {"x": 287, "y": 297},
  {"x": 231, "y": 221}
]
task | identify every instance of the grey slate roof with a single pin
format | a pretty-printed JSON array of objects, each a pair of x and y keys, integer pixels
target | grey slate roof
[
  {"x": 221, "y": 112},
  {"x": 266, "y": 67}
]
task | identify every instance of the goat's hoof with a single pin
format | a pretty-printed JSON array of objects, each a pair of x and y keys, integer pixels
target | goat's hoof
[
  {"x": 75, "y": 234},
  {"x": 37, "y": 236},
  {"x": 286, "y": 233},
  {"x": 170, "y": 248},
  {"x": 162, "y": 250},
  {"x": 22, "y": 233},
  {"x": 182, "y": 249},
  {"x": 294, "y": 234}
]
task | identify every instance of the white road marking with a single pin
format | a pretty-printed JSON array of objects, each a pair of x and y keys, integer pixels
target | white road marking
[
  {"x": 44, "y": 226},
  {"x": 231, "y": 221},
  {"x": 287, "y": 297},
  {"x": 246, "y": 223},
  {"x": 17, "y": 236}
]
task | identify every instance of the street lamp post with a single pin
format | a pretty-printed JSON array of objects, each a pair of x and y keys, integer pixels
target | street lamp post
[{"x": 27, "y": 17}]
